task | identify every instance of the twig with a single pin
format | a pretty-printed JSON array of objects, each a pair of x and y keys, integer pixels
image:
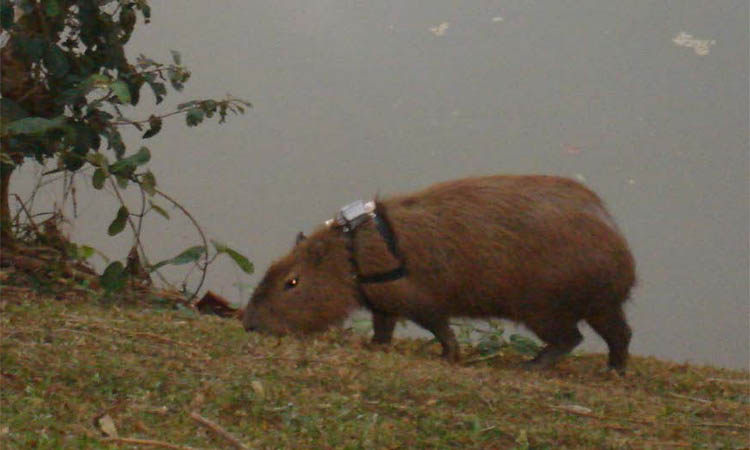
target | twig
[
  {"x": 148, "y": 442},
  {"x": 483, "y": 358},
  {"x": 145, "y": 121},
  {"x": 590, "y": 415},
  {"x": 661, "y": 444},
  {"x": 31, "y": 221},
  {"x": 715, "y": 425},
  {"x": 204, "y": 269},
  {"x": 130, "y": 220},
  {"x": 68, "y": 330},
  {"x": 153, "y": 336},
  {"x": 647, "y": 422},
  {"x": 297, "y": 360},
  {"x": 729, "y": 380},
  {"x": 217, "y": 430},
  {"x": 157, "y": 338},
  {"x": 695, "y": 399}
]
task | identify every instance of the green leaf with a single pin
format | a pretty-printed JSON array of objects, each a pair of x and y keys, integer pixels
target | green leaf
[
  {"x": 85, "y": 252},
  {"x": 114, "y": 140},
  {"x": 122, "y": 182},
  {"x": 121, "y": 91},
  {"x": 192, "y": 254},
  {"x": 126, "y": 166},
  {"x": 56, "y": 61},
  {"x": 98, "y": 80},
  {"x": 51, "y": 8},
  {"x": 33, "y": 48},
  {"x": 10, "y": 110},
  {"x": 239, "y": 259},
  {"x": 6, "y": 14},
  {"x": 176, "y": 57},
  {"x": 145, "y": 9},
  {"x": 100, "y": 175},
  {"x": 194, "y": 117},
  {"x": 148, "y": 182},
  {"x": 134, "y": 85},
  {"x": 159, "y": 209},
  {"x": 154, "y": 124},
  {"x": 160, "y": 90},
  {"x": 188, "y": 104},
  {"x": 35, "y": 125},
  {"x": 209, "y": 105},
  {"x": 97, "y": 159},
  {"x": 118, "y": 224},
  {"x": 114, "y": 277},
  {"x": 524, "y": 345},
  {"x": 142, "y": 156},
  {"x": 82, "y": 252}
]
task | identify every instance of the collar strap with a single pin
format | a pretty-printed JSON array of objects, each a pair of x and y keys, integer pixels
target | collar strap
[
  {"x": 353, "y": 215},
  {"x": 390, "y": 239}
]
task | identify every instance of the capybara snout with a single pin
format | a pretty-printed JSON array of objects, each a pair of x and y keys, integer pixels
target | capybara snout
[{"x": 539, "y": 250}]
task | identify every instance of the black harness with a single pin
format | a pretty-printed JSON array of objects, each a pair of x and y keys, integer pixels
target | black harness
[{"x": 383, "y": 226}]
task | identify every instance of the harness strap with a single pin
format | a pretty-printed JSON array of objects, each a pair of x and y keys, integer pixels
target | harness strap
[
  {"x": 390, "y": 239},
  {"x": 386, "y": 232}
]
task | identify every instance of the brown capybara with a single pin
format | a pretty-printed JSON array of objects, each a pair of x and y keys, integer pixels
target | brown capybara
[{"x": 539, "y": 250}]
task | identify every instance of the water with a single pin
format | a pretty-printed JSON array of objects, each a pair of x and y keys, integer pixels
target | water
[{"x": 357, "y": 98}]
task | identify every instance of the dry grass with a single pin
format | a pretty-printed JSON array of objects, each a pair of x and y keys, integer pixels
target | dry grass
[{"x": 73, "y": 371}]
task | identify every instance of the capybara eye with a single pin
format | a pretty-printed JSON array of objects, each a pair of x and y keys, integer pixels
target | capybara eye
[{"x": 291, "y": 283}]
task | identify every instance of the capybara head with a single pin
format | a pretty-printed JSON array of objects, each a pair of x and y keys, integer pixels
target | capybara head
[{"x": 306, "y": 291}]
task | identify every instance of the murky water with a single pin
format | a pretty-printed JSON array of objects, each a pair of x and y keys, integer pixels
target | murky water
[{"x": 645, "y": 101}]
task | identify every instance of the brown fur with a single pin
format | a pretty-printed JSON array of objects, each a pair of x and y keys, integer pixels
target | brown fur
[{"x": 539, "y": 250}]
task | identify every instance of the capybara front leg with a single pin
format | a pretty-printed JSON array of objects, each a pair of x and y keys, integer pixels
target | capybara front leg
[
  {"x": 442, "y": 331},
  {"x": 383, "y": 325}
]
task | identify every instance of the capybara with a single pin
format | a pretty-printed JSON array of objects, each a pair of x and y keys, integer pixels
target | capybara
[{"x": 539, "y": 250}]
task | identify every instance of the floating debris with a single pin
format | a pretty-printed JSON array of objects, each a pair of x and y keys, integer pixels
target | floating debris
[
  {"x": 700, "y": 46},
  {"x": 440, "y": 30}
]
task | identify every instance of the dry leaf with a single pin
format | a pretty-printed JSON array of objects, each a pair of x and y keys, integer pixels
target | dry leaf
[
  {"x": 197, "y": 401},
  {"x": 107, "y": 426},
  {"x": 577, "y": 409},
  {"x": 258, "y": 388}
]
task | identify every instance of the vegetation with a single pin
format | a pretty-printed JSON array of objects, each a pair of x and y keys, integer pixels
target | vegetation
[
  {"x": 67, "y": 86},
  {"x": 83, "y": 374},
  {"x": 78, "y": 370}
]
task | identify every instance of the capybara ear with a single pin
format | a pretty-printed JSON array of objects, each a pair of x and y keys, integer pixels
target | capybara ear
[{"x": 300, "y": 237}]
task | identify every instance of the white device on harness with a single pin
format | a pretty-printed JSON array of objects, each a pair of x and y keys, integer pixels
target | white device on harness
[{"x": 353, "y": 214}]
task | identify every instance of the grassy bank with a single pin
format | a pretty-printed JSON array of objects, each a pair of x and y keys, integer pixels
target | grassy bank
[{"x": 75, "y": 373}]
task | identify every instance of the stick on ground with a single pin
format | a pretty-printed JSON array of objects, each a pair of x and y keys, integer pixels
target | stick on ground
[
  {"x": 146, "y": 442},
  {"x": 218, "y": 430}
]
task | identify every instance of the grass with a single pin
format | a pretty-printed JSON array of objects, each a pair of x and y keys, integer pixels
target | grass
[{"x": 75, "y": 372}]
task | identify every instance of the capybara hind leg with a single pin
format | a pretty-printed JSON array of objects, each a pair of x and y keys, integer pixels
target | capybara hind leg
[
  {"x": 560, "y": 341},
  {"x": 383, "y": 325},
  {"x": 613, "y": 328},
  {"x": 442, "y": 331}
]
